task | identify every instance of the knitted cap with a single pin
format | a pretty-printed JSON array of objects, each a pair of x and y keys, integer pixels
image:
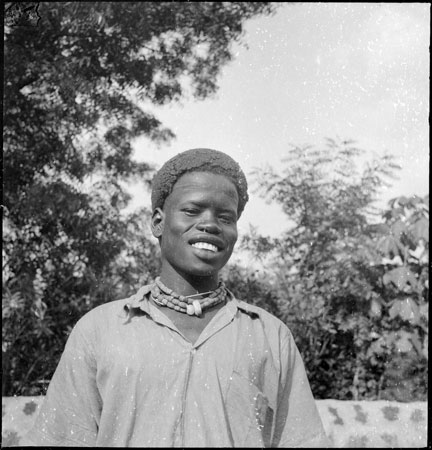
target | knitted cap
[{"x": 198, "y": 160}]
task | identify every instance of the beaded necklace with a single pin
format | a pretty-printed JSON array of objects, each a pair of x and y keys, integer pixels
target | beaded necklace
[{"x": 164, "y": 296}]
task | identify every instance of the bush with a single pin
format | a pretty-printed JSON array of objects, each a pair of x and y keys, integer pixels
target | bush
[{"x": 352, "y": 285}]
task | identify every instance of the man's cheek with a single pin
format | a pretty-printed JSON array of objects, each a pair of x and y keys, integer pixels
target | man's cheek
[{"x": 234, "y": 240}]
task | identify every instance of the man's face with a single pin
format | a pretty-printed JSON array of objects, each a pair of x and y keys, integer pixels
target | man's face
[{"x": 198, "y": 224}]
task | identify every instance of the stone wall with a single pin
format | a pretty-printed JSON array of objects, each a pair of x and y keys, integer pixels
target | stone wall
[
  {"x": 349, "y": 424},
  {"x": 374, "y": 424}
]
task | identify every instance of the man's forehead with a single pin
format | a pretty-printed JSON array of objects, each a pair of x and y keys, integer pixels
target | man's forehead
[
  {"x": 204, "y": 187},
  {"x": 204, "y": 181}
]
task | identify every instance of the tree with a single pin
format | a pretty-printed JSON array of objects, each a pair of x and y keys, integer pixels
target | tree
[
  {"x": 251, "y": 286},
  {"x": 70, "y": 115},
  {"x": 402, "y": 306},
  {"x": 328, "y": 271}
]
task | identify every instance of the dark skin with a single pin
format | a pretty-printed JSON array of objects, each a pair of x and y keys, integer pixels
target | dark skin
[{"x": 202, "y": 208}]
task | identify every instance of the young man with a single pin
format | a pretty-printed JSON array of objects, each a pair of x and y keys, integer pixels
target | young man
[{"x": 182, "y": 363}]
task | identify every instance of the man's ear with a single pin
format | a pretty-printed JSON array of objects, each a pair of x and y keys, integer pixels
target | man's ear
[{"x": 157, "y": 222}]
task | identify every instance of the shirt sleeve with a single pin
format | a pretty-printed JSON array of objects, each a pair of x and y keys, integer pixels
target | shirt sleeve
[
  {"x": 297, "y": 422},
  {"x": 70, "y": 413}
]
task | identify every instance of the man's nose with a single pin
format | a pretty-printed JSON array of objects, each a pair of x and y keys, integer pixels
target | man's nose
[{"x": 209, "y": 224}]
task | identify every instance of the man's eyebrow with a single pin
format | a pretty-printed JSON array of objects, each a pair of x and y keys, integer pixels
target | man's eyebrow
[
  {"x": 202, "y": 203},
  {"x": 229, "y": 210},
  {"x": 192, "y": 202}
]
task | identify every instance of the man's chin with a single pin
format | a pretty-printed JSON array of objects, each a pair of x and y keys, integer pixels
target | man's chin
[
  {"x": 203, "y": 272},
  {"x": 204, "y": 269}
]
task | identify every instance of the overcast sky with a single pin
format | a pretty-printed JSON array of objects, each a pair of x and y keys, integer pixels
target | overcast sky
[{"x": 314, "y": 70}]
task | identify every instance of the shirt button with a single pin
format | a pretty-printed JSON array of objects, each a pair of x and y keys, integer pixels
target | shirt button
[{"x": 193, "y": 351}]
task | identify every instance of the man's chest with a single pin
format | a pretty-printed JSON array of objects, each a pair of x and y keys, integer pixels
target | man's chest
[
  {"x": 191, "y": 327},
  {"x": 148, "y": 353},
  {"x": 164, "y": 370},
  {"x": 228, "y": 376}
]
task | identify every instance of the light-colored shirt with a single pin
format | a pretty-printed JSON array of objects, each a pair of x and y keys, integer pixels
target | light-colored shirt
[{"x": 129, "y": 378}]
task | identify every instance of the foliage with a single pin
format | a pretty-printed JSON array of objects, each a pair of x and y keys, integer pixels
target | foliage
[
  {"x": 354, "y": 292},
  {"x": 70, "y": 115},
  {"x": 402, "y": 307},
  {"x": 250, "y": 286}
]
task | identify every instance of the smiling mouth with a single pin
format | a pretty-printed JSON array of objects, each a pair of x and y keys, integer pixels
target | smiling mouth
[{"x": 206, "y": 246}]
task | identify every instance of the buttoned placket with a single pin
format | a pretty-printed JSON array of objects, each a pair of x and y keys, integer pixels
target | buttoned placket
[{"x": 223, "y": 317}]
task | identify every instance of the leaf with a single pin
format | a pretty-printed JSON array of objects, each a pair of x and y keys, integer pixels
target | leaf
[
  {"x": 377, "y": 347},
  {"x": 402, "y": 278},
  {"x": 380, "y": 228},
  {"x": 424, "y": 310},
  {"x": 406, "y": 309},
  {"x": 420, "y": 229},
  {"x": 398, "y": 228},
  {"x": 402, "y": 201},
  {"x": 403, "y": 342},
  {"x": 415, "y": 340},
  {"x": 375, "y": 308},
  {"x": 395, "y": 309},
  {"x": 388, "y": 245},
  {"x": 425, "y": 347}
]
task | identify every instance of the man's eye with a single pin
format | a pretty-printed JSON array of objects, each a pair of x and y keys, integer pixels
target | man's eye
[
  {"x": 227, "y": 219},
  {"x": 190, "y": 211}
]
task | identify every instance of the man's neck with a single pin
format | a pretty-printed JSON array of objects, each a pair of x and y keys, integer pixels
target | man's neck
[{"x": 185, "y": 284}]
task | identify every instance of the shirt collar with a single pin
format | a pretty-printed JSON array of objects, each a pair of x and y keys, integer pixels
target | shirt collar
[{"x": 140, "y": 301}]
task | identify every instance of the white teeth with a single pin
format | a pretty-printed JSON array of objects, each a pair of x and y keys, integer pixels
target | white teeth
[{"x": 205, "y": 246}]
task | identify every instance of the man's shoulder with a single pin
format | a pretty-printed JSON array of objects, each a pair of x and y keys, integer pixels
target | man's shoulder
[
  {"x": 104, "y": 309},
  {"x": 266, "y": 317},
  {"x": 267, "y": 328},
  {"x": 107, "y": 314}
]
